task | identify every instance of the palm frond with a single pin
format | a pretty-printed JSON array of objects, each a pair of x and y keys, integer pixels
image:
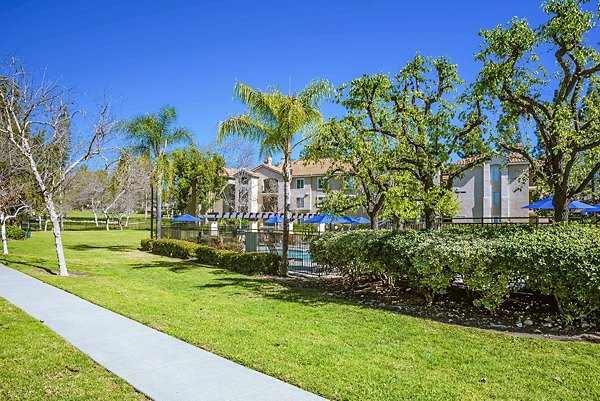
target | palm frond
[
  {"x": 243, "y": 125},
  {"x": 258, "y": 102},
  {"x": 316, "y": 91}
]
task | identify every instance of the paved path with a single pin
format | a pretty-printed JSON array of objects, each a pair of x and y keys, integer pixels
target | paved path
[{"x": 158, "y": 365}]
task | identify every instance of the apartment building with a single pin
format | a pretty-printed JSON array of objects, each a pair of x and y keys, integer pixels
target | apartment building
[
  {"x": 495, "y": 191},
  {"x": 261, "y": 188}
]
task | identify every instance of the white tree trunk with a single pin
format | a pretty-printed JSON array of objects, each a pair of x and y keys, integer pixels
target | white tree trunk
[
  {"x": 60, "y": 253},
  {"x": 106, "y": 217},
  {"x": 96, "y": 219},
  {"x": 4, "y": 241},
  {"x": 40, "y": 222}
]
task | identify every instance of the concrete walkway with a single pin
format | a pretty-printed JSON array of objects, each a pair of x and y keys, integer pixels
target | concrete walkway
[{"x": 158, "y": 365}]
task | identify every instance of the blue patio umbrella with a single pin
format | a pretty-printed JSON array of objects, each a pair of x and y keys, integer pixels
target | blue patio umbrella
[
  {"x": 186, "y": 218},
  {"x": 595, "y": 209},
  {"x": 361, "y": 220},
  {"x": 328, "y": 219},
  {"x": 274, "y": 220},
  {"x": 343, "y": 220},
  {"x": 546, "y": 204}
]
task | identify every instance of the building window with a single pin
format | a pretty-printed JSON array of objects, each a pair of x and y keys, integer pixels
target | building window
[
  {"x": 320, "y": 200},
  {"x": 300, "y": 203},
  {"x": 322, "y": 183},
  {"x": 495, "y": 173},
  {"x": 299, "y": 183},
  {"x": 496, "y": 198}
]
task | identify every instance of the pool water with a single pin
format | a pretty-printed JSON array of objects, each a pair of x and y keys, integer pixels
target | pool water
[{"x": 295, "y": 255}]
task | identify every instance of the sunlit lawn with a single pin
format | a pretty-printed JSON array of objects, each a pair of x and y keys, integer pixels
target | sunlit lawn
[
  {"x": 37, "y": 364},
  {"x": 339, "y": 350}
]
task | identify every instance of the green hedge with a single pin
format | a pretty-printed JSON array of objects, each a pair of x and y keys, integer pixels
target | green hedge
[
  {"x": 13, "y": 232},
  {"x": 561, "y": 260},
  {"x": 242, "y": 262}
]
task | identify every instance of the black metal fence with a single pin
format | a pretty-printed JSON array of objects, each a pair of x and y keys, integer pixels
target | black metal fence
[
  {"x": 82, "y": 224},
  {"x": 244, "y": 240}
]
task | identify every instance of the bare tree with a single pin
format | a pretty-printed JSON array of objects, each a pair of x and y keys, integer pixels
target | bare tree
[
  {"x": 12, "y": 189},
  {"x": 124, "y": 181},
  {"x": 36, "y": 118},
  {"x": 87, "y": 190},
  {"x": 238, "y": 152}
]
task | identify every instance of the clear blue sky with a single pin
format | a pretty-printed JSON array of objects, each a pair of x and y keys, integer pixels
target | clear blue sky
[{"x": 189, "y": 54}]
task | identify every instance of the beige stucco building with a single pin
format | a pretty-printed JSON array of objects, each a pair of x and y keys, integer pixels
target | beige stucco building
[
  {"x": 494, "y": 191},
  {"x": 261, "y": 188}
]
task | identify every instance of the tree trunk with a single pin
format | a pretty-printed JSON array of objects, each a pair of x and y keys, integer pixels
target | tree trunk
[
  {"x": 374, "y": 220},
  {"x": 40, "y": 222},
  {"x": 429, "y": 217},
  {"x": 106, "y": 219},
  {"x": 561, "y": 204},
  {"x": 4, "y": 241},
  {"x": 60, "y": 253},
  {"x": 151, "y": 211},
  {"x": 192, "y": 205},
  {"x": 287, "y": 178},
  {"x": 159, "y": 207}
]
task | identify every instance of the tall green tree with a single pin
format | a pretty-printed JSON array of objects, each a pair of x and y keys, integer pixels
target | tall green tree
[
  {"x": 152, "y": 135},
  {"x": 361, "y": 159},
  {"x": 430, "y": 122},
  {"x": 279, "y": 123},
  {"x": 545, "y": 83},
  {"x": 197, "y": 178}
]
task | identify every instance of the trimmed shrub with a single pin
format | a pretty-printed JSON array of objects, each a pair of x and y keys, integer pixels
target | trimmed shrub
[
  {"x": 208, "y": 255},
  {"x": 250, "y": 262},
  {"x": 13, "y": 232},
  {"x": 146, "y": 244},
  {"x": 242, "y": 262},
  {"x": 174, "y": 248},
  {"x": 559, "y": 260}
]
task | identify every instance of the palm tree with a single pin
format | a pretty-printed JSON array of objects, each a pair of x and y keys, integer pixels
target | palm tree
[
  {"x": 277, "y": 122},
  {"x": 152, "y": 134}
]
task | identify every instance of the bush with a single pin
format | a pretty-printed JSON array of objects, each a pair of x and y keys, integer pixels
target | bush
[
  {"x": 242, "y": 262},
  {"x": 146, "y": 244},
  {"x": 175, "y": 248},
  {"x": 560, "y": 260},
  {"x": 13, "y": 232},
  {"x": 250, "y": 262}
]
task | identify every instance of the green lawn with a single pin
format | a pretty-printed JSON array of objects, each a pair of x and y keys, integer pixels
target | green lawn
[
  {"x": 37, "y": 364},
  {"x": 339, "y": 350}
]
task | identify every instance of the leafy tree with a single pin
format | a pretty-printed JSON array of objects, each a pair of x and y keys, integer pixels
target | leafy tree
[
  {"x": 277, "y": 121},
  {"x": 197, "y": 177},
  {"x": 151, "y": 135},
  {"x": 550, "y": 116},
  {"x": 361, "y": 159},
  {"x": 427, "y": 122}
]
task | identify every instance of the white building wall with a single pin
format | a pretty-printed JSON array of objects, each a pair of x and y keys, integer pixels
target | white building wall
[{"x": 475, "y": 191}]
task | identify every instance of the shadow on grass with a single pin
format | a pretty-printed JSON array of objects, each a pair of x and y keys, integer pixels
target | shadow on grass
[
  {"x": 175, "y": 266},
  {"x": 112, "y": 248},
  {"x": 267, "y": 289},
  {"x": 239, "y": 283}
]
